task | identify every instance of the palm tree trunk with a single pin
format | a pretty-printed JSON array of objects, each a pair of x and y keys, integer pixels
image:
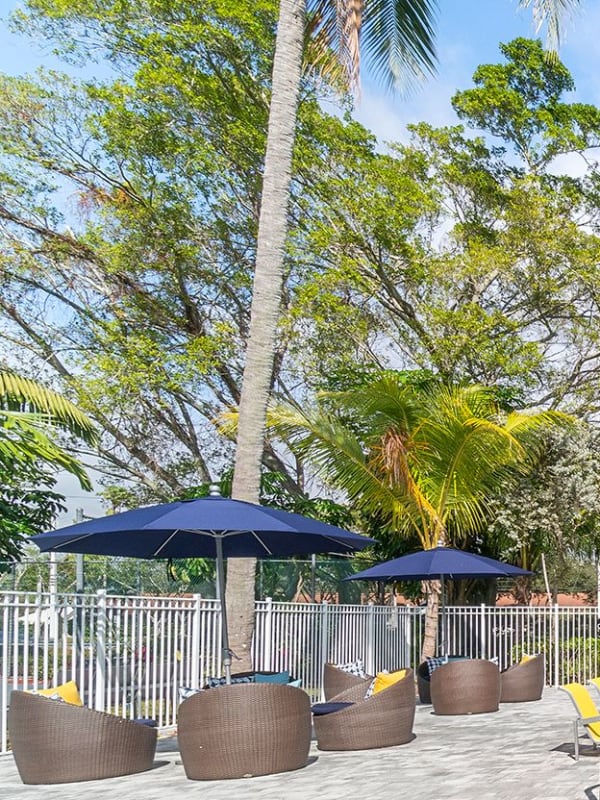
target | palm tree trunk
[
  {"x": 265, "y": 309},
  {"x": 432, "y": 616}
]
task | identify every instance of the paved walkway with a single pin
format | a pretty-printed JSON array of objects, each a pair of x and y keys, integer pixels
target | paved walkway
[{"x": 523, "y": 752}]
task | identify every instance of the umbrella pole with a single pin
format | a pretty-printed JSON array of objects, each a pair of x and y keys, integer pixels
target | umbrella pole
[
  {"x": 443, "y": 637},
  {"x": 225, "y": 651}
]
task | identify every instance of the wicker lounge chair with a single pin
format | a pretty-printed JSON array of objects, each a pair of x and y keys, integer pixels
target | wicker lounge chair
[
  {"x": 424, "y": 683},
  {"x": 242, "y": 730},
  {"x": 337, "y": 680},
  {"x": 382, "y": 720},
  {"x": 470, "y": 686},
  {"x": 55, "y": 742},
  {"x": 523, "y": 682},
  {"x": 424, "y": 678},
  {"x": 588, "y": 715}
]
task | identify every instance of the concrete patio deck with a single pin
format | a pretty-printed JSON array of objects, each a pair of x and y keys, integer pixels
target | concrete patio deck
[{"x": 523, "y": 752}]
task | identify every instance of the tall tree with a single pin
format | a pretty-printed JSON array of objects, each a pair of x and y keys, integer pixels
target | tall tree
[
  {"x": 426, "y": 458},
  {"x": 398, "y": 39}
]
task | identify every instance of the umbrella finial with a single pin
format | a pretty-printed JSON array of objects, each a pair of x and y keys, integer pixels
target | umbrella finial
[{"x": 214, "y": 490}]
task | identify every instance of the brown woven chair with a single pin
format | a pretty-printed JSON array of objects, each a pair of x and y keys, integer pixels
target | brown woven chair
[
  {"x": 54, "y": 742},
  {"x": 382, "y": 720},
  {"x": 423, "y": 683},
  {"x": 242, "y": 730},
  {"x": 337, "y": 680},
  {"x": 470, "y": 686},
  {"x": 523, "y": 682}
]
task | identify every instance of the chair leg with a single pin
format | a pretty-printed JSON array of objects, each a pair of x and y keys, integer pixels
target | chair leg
[{"x": 576, "y": 739}]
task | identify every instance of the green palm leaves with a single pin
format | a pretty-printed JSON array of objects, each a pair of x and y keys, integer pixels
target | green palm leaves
[
  {"x": 425, "y": 459},
  {"x": 30, "y": 416}
]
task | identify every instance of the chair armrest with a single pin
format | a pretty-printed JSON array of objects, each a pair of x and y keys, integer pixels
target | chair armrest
[{"x": 588, "y": 720}]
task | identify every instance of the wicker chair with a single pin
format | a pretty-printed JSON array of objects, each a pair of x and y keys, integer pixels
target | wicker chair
[
  {"x": 242, "y": 730},
  {"x": 382, "y": 720},
  {"x": 336, "y": 681},
  {"x": 54, "y": 742},
  {"x": 470, "y": 686},
  {"x": 424, "y": 683},
  {"x": 523, "y": 682},
  {"x": 424, "y": 678}
]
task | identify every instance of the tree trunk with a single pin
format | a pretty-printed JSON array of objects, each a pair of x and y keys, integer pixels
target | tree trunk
[
  {"x": 265, "y": 309},
  {"x": 432, "y": 616}
]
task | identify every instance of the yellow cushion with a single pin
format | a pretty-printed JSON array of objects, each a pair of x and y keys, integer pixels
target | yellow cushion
[
  {"x": 525, "y": 658},
  {"x": 66, "y": 691},
  {"x": 385, "y": 679}
]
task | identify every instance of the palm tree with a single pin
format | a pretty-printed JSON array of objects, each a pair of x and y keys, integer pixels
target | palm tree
[
  {"x": 30, "y": 414},
  {"x": 426, "y": 460},
  {"x": 396, "y": 36}
]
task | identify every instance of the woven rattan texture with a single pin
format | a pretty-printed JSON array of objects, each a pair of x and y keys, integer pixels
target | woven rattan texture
[
  {"x": 523, "y": 682},
  {"x": 244, "y": 729},
  {"x": 54, "y": 742},
  {"x": 471, "y": 686},
  {"x": 337, "y": 680},
  {"x": 382, "y": 720}
]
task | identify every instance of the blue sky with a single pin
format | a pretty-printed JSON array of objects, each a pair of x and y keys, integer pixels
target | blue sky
[{"x": 469, "y": 32}]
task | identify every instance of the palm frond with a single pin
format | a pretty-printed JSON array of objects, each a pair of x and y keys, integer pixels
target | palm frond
[
  {"x": 23, "y": 441},
  {"x": 22, "y": 395},
  {"x": 551, "y": 13},
  {"x": 424, "y": 459},
  {"x": 397, "y": 39}
]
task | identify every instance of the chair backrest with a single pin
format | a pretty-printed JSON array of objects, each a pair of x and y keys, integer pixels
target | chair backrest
[
  {"x": 585, "y": 707},
  {"x": 595, "y": 683}
]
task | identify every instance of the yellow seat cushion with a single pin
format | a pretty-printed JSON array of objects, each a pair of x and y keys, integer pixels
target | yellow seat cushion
[
  {"x": 585, "y": 706},
  {"x": 66, "y": 691},
  {"x": 525, "y": 658},
  {"x": 385, "y": 679}
]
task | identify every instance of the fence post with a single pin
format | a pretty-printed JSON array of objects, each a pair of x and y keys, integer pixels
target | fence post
[
  {"x": 195, "y": 654},
  {"x": 483, "y": 639},
  {"x": 557, "y": 680},
  {"x": 370, "y": 650},
  {"x": 101, "y": 624},
  {"x": 323, "y": 639},
  {"x": 268, "y": 635}
]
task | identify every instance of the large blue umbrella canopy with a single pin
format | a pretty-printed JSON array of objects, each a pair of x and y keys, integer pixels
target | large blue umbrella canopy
[
  {"x": 439, "y": 562},
  {"x": 210, "y": 527}
]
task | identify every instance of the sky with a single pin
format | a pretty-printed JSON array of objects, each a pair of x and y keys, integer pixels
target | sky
[{"x": 468, "y": 34}]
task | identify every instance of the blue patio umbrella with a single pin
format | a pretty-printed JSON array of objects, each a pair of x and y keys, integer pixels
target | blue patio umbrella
[
  {"x": 438, "y": 563},
  {"x": 210, "y": 527}
]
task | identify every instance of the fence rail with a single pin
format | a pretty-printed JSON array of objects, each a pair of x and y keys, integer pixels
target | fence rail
[{"x": 131, "y": 655}]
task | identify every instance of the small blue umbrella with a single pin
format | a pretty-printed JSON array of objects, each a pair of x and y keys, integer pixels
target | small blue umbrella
[
  {"x": 439, "y": 562},
  {"x": 210, "y": 527}
]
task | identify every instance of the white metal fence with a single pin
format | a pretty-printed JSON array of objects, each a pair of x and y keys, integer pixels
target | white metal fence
[{"x": 130, "y": 655}]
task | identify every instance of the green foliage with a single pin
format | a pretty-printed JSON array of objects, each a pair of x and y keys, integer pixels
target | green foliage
[
  {"x": 426, "y": 460},
  {"x": 28, "y": 505},
  {"x": 552, "y": 508},
  {"x": 578, "y": 656},
  {"x": 520, "y": 102},
  {"x": 30, "y": 415}
]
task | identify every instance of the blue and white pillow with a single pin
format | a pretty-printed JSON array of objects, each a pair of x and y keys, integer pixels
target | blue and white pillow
[
  {"x": 354, "y": 668},
  {"x": 433, "y": 662},
  {"x": 186, "y": 691},
  {"x": 213, "y": 681}
]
